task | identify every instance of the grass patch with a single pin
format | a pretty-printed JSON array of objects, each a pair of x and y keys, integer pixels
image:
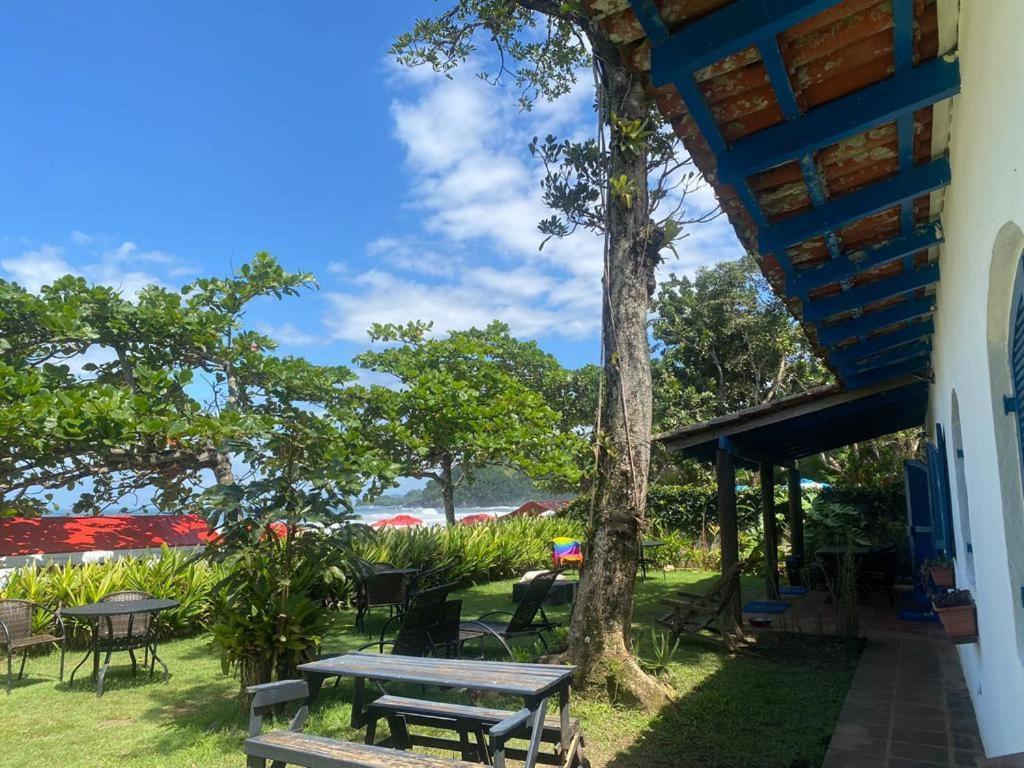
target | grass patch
[{"x": 772, "y": 706}]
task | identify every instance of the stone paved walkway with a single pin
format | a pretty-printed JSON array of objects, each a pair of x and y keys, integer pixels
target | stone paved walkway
[{"x": 908, "y": 707}]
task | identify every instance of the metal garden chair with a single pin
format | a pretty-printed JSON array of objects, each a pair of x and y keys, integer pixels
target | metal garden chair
[
  {"x": 128, "y": 633},
  {"x": 16, "y": 633},
  {"x": 523, "y": 622}
]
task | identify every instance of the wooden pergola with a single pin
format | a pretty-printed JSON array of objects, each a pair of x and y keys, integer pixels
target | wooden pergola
[{"x": 778, "y": 434}]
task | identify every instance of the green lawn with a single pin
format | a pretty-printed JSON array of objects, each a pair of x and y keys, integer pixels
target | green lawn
[{"x": 774, "y": 705}]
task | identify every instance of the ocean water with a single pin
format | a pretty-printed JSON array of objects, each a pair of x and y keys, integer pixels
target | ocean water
[{"x": 429, "y": 515}]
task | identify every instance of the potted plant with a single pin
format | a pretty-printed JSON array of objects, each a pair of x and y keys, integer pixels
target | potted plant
[
  {"x": 941, "y": 571},
  {"x": 959, "y": 615}
]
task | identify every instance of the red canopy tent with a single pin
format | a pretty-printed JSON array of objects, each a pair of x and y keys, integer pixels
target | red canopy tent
[
  {"x": 398, "y": 521},
  {"x": 479, "y": 517}
]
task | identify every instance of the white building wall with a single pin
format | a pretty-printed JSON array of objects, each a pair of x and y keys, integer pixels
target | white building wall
[{"x": 983, "y": 218}]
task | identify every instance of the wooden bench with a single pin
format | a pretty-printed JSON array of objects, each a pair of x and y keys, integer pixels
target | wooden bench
[
  {"x": 292, "y": 747},
  {"x": 301, "y": 749},
  {"x": 466, "y": 720}
]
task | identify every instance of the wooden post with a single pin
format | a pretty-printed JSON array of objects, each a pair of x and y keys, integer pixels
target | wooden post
[
  {"x": 771, "y": 538},
  {"x": 725, "y": 472},
  {"x": 796, "y": 515}
]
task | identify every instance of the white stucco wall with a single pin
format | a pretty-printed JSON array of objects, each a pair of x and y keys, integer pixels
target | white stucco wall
[{"x": 982, "y": 218}]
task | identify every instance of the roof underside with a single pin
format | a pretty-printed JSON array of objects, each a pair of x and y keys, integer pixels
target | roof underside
[
  {"x": 802, "y": 425},
  {"x": 822, "y": 126}
]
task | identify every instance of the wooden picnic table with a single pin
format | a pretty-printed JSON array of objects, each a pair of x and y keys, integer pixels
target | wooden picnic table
[{"x": 534, "y": 683}]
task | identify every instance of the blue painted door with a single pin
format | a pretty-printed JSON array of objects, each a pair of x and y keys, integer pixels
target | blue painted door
[{"x": 919, "y": 512}]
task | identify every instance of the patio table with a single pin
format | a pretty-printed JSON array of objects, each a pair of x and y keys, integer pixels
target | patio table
[
  {"x": 106, "y": 611},
  {"x": 534, "y": 683}
]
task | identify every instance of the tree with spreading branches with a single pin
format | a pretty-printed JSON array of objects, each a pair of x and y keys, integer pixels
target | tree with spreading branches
[
  {"x": 469, "y": 400},
  {"x": 629, "y": 184},
  {"x": 117, "y": 396}
]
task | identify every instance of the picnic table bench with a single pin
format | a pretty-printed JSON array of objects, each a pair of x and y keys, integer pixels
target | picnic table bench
[{"x": 534, "y": 683}]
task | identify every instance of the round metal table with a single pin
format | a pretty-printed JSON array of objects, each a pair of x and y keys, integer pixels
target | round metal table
[
  {"x": 646, "y": 545},
  {"x": 120, "y": 639}
]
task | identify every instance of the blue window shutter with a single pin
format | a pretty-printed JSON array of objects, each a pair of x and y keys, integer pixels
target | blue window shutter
[
  {"x": 1016, "y": 404},
  {"x": 940, "y": 530},
  {"x": 945, "y": 493}
]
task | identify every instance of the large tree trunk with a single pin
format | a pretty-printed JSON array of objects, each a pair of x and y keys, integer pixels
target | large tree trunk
[
  {"x": 599, "y": 636},
  {"x": 448, "y": 490}
]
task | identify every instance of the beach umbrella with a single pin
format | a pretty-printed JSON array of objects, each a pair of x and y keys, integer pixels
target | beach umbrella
[
  {"x": 479, "y": 517},
  {"x": 398, "y": 521}
]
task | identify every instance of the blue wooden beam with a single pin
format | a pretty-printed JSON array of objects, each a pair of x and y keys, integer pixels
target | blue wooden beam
[
  {"x": 857, "y": 205},
  {"x": 878, "y": 375},
  {"x": 830, "y": 335},
  {"x": 848, "y": 116},
  {"x": 815, "y": 311},
  {"x": 875, "y": 345},
  {"x": 650, "y": 19},
  {"x": 839, "y": 270},
  {"x": 736, "y": 26},
  {"x": 894, "y": 355},
  {"x": 779, "y": 78}
]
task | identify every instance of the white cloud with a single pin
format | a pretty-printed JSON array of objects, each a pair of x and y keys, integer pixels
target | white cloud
[
  {"x": 518, "y": 297},
  {"x": 129, "y": 251},
  {"x": 80, "y": 238},
  {"x": 118, "y": 267},
  {"x": 38, "y": 267},
  {"x": 288, "y": 334},
  {"x": 477, "y": 190}
]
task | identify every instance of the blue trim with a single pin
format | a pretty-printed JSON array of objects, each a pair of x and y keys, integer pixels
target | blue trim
[
  {"x": 861, "y": 326},
  {"x": 650, "y": 19},
  {"x": 903, "y": 34},
  {"x": 853, "y": 264},
  {"x": 779, "y": 77},
  {"x": 815, "y": 311},
  {"x": 856, "y": 205},
  {"x": 848, "y": 116},
  {"x": 894, "y": 355},
  {"x": 701, "y": 114},
  {"x": 875, "y": 345},
  {"x": 736, "y": 26},
  {"x": 878, "y": 375}
]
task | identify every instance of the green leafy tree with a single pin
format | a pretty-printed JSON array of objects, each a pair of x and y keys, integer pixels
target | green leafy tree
[
  {"x": 724, "y": 341},
  {"x": 129, "y": 394},
  {"x": 628, "y": 184},
  {"x": 459, "y": 406}
]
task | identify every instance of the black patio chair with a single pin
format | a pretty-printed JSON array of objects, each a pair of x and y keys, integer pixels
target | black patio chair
[
  {"x": 522, "y": 622},
  {"x": 429, "y": 579},
  {"x": 429, "y": 628},
  {"x": 379, "y": 585},
  {"x": 429, "y": 624},
  {"x": 878, "y": 571},
  {"x": 16, "y": 633}
]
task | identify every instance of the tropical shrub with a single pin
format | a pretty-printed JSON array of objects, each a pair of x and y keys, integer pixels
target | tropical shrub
[
  {"x": 478, "y": 553},
  {"x": 693, "y": 508},
  {"x": 269, "y": 612},
  {"x": 173, "y": 574}
]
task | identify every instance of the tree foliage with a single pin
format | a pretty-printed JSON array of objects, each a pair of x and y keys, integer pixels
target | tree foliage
[
  {"x": 724, "y": 341},
  {"x": 115, "y": 395},
  {"x": 463, "y": 402}
]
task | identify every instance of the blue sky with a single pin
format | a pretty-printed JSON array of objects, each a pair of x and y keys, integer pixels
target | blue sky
[{"x": 162, "y": 141}]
